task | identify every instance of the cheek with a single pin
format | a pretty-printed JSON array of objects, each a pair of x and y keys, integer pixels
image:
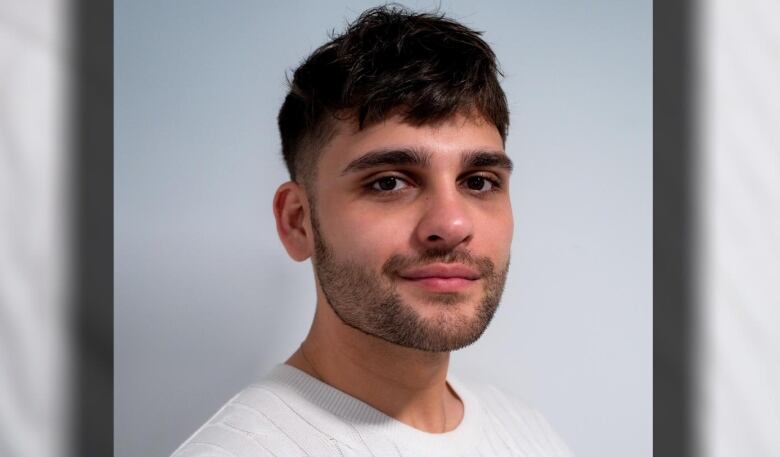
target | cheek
[
  {"x": 497, "y": 233},
  {"x": 365, "y": 235}
]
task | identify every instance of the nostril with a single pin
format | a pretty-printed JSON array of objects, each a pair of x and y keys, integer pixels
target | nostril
[{"x": 434, "y": 238}]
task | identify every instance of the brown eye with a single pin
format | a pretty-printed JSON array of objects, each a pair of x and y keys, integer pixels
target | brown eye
[
  {"x": 387, "y": 184},
  {"x": 479, "y": 183}
]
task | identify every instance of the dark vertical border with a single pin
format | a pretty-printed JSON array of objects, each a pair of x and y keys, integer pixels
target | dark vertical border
[
  {"x": 673, "y": 218},
  {"x": 93, "y": 130}
]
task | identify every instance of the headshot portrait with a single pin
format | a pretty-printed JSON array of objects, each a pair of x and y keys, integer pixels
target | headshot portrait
[{"x": 362, "y": 229}]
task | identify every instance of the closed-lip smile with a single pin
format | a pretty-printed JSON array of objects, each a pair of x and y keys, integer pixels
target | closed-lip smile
[
  {"x": 441, "y": 277},
  {"x": 441, "y": 270}
]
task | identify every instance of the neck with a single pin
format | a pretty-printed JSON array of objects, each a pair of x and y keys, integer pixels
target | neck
[{"x": 406, "y": 384}]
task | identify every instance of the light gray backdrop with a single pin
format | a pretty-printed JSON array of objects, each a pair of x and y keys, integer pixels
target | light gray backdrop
[{"x": 207, "y": 299}]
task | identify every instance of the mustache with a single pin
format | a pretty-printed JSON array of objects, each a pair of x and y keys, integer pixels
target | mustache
[{"x": 398, "y": 262}]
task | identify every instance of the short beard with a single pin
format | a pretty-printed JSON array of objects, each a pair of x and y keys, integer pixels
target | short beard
[{"x": 360, "y": 300}]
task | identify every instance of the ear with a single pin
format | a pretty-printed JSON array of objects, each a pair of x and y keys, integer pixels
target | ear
[{"x": 291, "y": 212}]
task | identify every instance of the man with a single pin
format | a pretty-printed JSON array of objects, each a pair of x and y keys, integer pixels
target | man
[{"x": 393, "y": 134}]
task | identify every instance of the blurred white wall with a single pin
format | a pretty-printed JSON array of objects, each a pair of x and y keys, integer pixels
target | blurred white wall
[
  {"x": 34, "y": 350},
  {"x": 739, "y": 197},
  {"x": 206, "y": 298}
]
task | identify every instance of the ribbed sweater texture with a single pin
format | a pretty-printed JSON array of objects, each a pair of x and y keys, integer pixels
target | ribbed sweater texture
[{"x": 290, "y": 413}]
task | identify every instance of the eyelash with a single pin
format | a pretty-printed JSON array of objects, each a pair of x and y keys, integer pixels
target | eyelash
[{"x": 496, "y": 184}]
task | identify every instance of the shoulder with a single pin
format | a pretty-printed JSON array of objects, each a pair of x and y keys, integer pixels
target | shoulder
[
  {"x": 518, "y": 419},
  {"x": 258, "y": 421},
  {"x": 230, "y": 431}
]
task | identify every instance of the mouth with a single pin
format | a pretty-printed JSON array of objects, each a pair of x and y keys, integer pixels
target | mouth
[
  {"x": 442, "y": 285},
  {"x": 441, "y": 278}
]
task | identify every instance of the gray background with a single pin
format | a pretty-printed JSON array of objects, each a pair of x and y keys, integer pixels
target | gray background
[{"x": 206, "y": 298}]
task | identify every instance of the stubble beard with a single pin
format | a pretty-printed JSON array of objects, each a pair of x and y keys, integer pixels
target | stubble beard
[{"x": 362, "y": 300}]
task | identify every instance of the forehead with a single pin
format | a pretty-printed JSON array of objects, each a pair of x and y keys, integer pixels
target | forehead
[{"x": 444, "y": 141}]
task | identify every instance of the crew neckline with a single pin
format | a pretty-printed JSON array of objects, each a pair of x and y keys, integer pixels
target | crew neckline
[{"x": 369, "y": 420}]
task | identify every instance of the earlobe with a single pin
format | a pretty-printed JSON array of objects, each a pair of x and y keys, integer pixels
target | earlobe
[{"x": 291, "y": 213}]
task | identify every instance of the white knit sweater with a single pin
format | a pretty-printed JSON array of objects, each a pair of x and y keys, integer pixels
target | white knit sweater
[{"x": 289, "y": 413}]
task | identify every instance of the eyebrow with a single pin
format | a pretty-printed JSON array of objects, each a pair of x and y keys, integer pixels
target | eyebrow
[
  {"x": 480, "y": 159},
  {"x": 419, "y": 158},
  {"x": 384, "y": 157}
]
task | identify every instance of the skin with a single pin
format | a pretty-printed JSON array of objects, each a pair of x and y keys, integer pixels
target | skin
[{"x": 436, "y": 212}]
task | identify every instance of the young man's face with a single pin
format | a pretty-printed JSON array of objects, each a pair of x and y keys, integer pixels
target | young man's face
[{"x": 412, "y": 229}]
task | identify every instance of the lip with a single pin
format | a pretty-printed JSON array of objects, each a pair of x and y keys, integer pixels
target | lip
[
  {"x": 441, "y": 270},
  {"x": 442, "y": 277}
]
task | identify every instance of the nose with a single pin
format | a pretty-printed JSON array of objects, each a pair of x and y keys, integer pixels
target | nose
[{"x": 445, "y": 222}]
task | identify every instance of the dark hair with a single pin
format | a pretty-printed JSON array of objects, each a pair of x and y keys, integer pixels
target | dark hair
[{"x": 428, "y": 66}]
